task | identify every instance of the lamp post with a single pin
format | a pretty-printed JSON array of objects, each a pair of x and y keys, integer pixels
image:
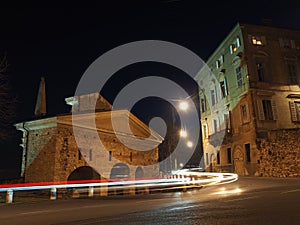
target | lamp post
[{"x": 182, "y": 106}]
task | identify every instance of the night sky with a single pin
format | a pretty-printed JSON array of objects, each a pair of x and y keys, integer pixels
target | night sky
[{"x": 59, "y": 43}]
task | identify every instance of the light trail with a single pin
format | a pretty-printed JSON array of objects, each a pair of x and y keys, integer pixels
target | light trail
[{"x": 184, "y": 178}]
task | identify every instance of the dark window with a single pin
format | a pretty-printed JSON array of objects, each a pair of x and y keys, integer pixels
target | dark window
[
  {"x": 239, "y": 76},
  {"x": 293, "y": 73},
  {"x": 207, "y": 159},
  {"x": 91, "y": 154},
  {"x": 79, "y": 154},
  {"x": 260, "y": 71},
  {"x": 218, "y": 158},
  {"x": 203, "y": 105},
  {"x": 223, "y": 86},
  {"x": 110, "y": 156},
  {"x": 229, "y": 155},
  {"x": 205, "y": 131},
  {"x": 244, "y": 113},
  {"x": 215, "y": 126},
  {"x": 248, "y": 155},
  {"x": 130, "y": 156},
  {"x": 267, "y": 107},
  {"x": 213, "y": 97}
]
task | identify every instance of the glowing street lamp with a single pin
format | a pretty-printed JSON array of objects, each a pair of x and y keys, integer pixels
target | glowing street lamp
[
  {"x": 183, "y": 133},
  {"x": 183, "y": 105},
  {"x": 189, "y": 144}
]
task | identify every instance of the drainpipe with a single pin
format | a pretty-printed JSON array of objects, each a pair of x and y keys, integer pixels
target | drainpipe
[{"x": 25, "y": 150}]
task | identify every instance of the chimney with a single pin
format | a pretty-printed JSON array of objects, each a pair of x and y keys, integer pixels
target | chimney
[{"x": 40, "y": 107}]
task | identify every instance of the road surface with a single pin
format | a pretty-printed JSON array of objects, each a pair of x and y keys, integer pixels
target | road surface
[{"x": 246, "y": 201}]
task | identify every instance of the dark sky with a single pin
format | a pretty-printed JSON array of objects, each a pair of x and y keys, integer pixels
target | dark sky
[{"x": 59, "y": 43}]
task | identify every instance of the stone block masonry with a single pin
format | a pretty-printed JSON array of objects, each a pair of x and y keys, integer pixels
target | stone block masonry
[{"x": 280, "y": 154}]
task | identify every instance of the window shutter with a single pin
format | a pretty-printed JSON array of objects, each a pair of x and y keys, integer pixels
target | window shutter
[
  {"x": 264, "y": 40},
  {"x": 293, "y": 111},
  {"x": 231, "y": 49},
  {"x": 274, "y": 110},
  {"x": 225, "y": 85},
  {"x": 293, "y": 44},
  {"x": 250, "y": 39},
  {"x": 260, "y": 109},
  {"x": 281, "y": 42}
]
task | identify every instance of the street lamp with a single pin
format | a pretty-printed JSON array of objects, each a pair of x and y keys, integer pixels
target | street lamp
[
  {"x": 183, "y": 105},
  {"x": 183, "y": 133},
  {"x": 189, "y": 144}
]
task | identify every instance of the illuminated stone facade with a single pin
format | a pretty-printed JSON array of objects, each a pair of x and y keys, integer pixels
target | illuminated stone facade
[
  {"x": 252, "y": 89},
  {"x": 51, "y": 153}
]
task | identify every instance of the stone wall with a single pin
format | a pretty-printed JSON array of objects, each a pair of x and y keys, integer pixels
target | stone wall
[
  {"x": 280, "y": 154},
  {"x": 40, "y": 155}
]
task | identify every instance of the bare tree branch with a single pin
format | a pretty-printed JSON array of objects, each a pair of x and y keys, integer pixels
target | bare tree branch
[{"x": 7, "y": 102}]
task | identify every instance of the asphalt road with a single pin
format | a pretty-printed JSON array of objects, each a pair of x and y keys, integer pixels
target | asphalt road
[{"x": 246, "y": 201}]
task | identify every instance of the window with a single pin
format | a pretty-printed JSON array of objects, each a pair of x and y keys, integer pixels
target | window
[
  {"x": 110, "y": 156},
  {"x": 260, "y": 71},
  {"x": 267, "y": 110},
  {"x": 287, "y": 43},
  {"x": 213, "y": 97},
  {"x": 223, "y": 86},
  {"x": 229, "y": 159},
  {"x": 267, "y": 107},
  {"x": 244, "y": 114},
  {"x": 248, "y": 155},
  {"x": 237, "y": 42},
  {"x": 226, "y": 122},
  {"x": 295, "y": 111},
  {"x": 218, "y": 158},
  {"x": 220, "y": 62},
  {"x": 232, "y": 48},
  {"x": 258, "y": 40},
  {"x": 203, "y": 105},
  {"x": 207, "y": 159},
  {"x": 130, "y": 156},
  {"x": 205, "y": 133},
  {"x": 79, "y": 154},
  {"x": 91, "y": 155},
  {"x": 292, "y": 73},
  {"x": 215, "y": 125},
  {"x": 238, "y": 72},
  {"x": 235, "y": 45}
]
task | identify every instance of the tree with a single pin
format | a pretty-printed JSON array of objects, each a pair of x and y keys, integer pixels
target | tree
[{"x": 7, "y": 103}]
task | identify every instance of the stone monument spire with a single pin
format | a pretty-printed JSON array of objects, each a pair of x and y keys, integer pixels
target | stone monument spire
[{"x": 40, "y": 107}]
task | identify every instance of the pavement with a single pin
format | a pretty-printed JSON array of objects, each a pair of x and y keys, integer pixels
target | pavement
[{"x": 250, "y": 200}]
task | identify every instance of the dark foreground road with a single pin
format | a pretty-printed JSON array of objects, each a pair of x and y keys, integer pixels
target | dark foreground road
[{"x": 247, "y": 201}]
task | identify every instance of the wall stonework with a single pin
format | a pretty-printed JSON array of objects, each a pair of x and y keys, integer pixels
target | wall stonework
[
  {"x": 51, "y": 152},
  {"x": 280, "y": 154}
]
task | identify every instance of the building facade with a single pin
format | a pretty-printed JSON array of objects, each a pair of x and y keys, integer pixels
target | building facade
[
  {"x": 52, "y": 151},
  {"x": 251, "y": 91}
]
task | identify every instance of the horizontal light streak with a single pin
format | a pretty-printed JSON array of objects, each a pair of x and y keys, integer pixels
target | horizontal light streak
[{"x": 181, "y": 178}]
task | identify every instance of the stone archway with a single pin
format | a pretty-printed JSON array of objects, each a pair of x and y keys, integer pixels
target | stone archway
[
  {"x": 238, "y": 161},
  {"x": 84, "y": 173},
  {"x": 81, "y": 173},
  {"x": 119, "y": 171},
  {"x": 139, "y": 174}
]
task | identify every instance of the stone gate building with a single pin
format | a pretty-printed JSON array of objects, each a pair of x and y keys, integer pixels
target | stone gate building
[{"x": 52, "y": 153}]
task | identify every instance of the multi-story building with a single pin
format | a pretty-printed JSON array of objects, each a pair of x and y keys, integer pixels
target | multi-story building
[{"x": 250, "y": 102}]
